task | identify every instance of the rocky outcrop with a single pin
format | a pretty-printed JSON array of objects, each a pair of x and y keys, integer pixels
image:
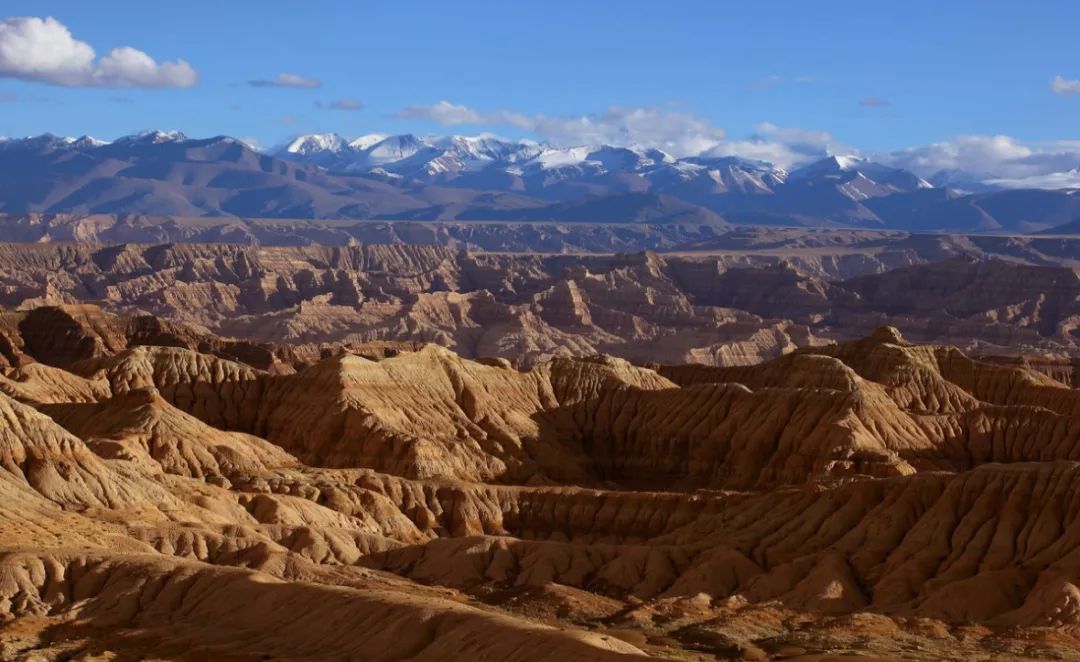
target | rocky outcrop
[
  {"x": 873, "y": 496},
  {"x": 138, "y": 425},
  {"x": 138, "y": 605},
  {"x": 280, "y": 309}
]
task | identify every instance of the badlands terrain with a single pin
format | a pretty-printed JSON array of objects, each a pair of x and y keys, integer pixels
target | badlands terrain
[
  {"x": 166, "y": 497},
  {"x": 758, "y": 444},
  {"x": 731, "y": 299}
]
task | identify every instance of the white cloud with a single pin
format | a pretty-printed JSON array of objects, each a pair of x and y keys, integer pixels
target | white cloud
[
  {"x": 286, "y": 79},
  {"x": 675, "y": 131},
  {"x": 782, "y": 146},
  {"x": 980, "y": 154},
  {"x": 804, "y": 139},
  {"x": 1052, "y": 180},
  {"x": 444, "y": 112},
  {"x": 43, "y": 50},
  {"x": 1008, "y": 161},
  {"x": 755, "y": 150},
  {"x": 1061, "y": 85},
  {"x": 1001, "y": 158}
]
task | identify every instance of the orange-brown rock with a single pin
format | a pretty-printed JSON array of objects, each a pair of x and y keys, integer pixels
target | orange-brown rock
[
  {"x": 874, "y": 497},
  {"x": 279, "y": 308}
]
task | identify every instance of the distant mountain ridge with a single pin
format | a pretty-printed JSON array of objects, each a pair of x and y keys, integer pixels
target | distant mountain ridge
[{"x": 408, "y": 177}]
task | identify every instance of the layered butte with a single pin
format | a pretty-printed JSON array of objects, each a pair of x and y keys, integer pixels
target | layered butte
[
  {"x": 170, "y": 493},
  {"x": 747, "y": 299}
]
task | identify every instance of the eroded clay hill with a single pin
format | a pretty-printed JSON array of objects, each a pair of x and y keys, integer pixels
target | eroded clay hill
[
  {"x": 750, "y": 302},
  {"x": 871, "y": 497}
]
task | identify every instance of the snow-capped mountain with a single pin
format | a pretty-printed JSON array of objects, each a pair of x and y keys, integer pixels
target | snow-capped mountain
[
  {"x": 489, "y": 178},
  {"x": 859, "y": 178},
  {"x": 152, "y": 137},
  {"x": 841, "y": 189},
  {"x": 406, "y": 154},
  {"x": 45, "y": 141},
  {"x": 317, "y": 143},
  {"x": 443, "y": 159},
  {"x": 526, "y": 165},
  {"x": 835, "y": 165},
  {"x": 721, "y": 174}
]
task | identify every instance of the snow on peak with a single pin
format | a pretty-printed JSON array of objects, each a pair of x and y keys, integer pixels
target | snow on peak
[
  {"x": 846, "y": 161},
  {"x": 552, "y": 158},
  {"x": 44, "y": 141},
  {"x": 315, "y": 143},
  {"x": 395, "y": 148},
  {"x": 447, "y": 156},
  {"x": 88, "y": 141},
  {"x": 482, "y": 150},
  {"x": 51, "y": 139},
  {"x": 366, "y": 141},
  {"x": 155, "y": 137},
  {"x": 832, "y": 165}
]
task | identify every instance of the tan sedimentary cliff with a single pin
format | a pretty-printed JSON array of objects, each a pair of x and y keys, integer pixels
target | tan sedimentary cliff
[
  {"x": 278, "y": 308},
  {"x": 875, "y": 497}
]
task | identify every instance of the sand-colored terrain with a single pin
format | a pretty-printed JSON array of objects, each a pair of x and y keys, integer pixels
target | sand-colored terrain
[
  {"x": 764, "y": 295},
  {"x": 874, "y": 497}
]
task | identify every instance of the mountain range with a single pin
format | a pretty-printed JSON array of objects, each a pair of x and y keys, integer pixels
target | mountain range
[{"x": 406, "y": 177}]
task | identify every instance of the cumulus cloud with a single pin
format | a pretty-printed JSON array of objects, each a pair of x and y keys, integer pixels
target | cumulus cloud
[
  {"x": 806, "y": 139},
  {"x": 758, "y": 149},
  {"x": 44, "y": 50},
  {"x": 978, "y": 154},
  {"x": 444, "y": 112},
  {"x": 785, "y": 147},
  {"x": 286, "y": 79},
  {"x": 675, "y": 131},
  {"x": 1052, "y": 180},
  {"x": 1062, "y": 85},
  {"x": 1003, "y": 158}
]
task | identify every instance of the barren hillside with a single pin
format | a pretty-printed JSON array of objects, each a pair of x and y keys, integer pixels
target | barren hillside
[
  {"x": 734, "y": 307},
  {"x": 873, "y": 497}
]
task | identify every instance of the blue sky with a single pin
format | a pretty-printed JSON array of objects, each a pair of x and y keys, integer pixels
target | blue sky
[{"x": 873, "y": 76}]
